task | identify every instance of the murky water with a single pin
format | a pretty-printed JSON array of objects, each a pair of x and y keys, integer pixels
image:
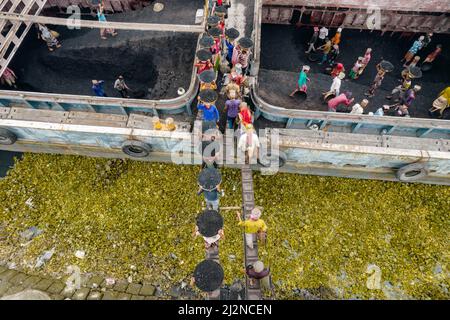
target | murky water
[{"x": 7, "y": 161}]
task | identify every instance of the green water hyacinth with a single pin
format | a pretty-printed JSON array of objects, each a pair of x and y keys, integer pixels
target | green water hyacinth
[{"x": 328, "y": 237}]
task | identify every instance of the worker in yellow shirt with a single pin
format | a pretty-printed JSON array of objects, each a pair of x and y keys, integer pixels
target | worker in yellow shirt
[
  {"x": 446, "y": 94},
  {"x": 252, "y": 226},
  {"x": 442, "y": 102},
  {"x": 337, "y": 37}
]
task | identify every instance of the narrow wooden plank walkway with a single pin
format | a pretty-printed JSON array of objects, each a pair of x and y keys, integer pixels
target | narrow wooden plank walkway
[{"x": 252, "y": 292}]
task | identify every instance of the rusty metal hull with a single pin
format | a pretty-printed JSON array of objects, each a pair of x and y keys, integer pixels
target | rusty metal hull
[
  {"x": 399, "y": 16},
  {"x": 307, "y": 152},
  {"x": 110, "y": 5}
]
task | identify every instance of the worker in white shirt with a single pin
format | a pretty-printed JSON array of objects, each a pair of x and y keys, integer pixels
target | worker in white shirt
[
  {"x": 249, "y": 143},
  {"x": 358, "y": 108},
  {"x": 336, "y": 85},
  {"x": 323, "y": 33}
]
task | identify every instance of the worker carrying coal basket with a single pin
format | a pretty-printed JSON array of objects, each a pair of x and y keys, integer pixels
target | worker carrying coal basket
[
  {"x": 49, "y": 36},
  {"x": 209, "y": 184},
  {"x": 210, "y": 227},
  {"x": 257, "y": 271}
]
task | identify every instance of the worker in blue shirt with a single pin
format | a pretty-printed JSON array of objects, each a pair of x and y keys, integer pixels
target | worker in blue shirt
[
  {"x": 231, "y": 35},
  {"x": 97, "y": 88},
  {"x": 210, "y": 112},
  {"x": 230, "y": 48}
]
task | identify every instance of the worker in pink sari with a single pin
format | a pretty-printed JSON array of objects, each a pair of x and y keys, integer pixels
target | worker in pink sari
[
  {"x": 9, "y": 77},
  {"x": 343, "y": 98}
]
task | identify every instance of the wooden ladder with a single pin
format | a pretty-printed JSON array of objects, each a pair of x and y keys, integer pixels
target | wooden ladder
[{"x": 10, "y": 42}]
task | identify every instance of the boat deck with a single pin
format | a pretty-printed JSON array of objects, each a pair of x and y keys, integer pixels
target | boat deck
[
  {"x": 154, "y": 63},
  {"x": 283, "y": 55}
]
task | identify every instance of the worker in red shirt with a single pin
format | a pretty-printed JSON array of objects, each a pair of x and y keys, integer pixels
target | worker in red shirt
[
  {"x": 430, "y": 58},
  {"x": 203, "y": 61},
  {"x": 338, "y": 68},
  {"x": 337, "y": 37},
  {"x": 245, "y": 116}
]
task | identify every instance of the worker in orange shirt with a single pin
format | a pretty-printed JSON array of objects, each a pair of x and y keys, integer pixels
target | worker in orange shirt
[{"x": 337, "y": 37}]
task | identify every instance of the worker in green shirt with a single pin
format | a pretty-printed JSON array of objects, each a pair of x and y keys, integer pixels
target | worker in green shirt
[
  {"x": 302, "y": 81},
  {"x": 254, "y": 225}
]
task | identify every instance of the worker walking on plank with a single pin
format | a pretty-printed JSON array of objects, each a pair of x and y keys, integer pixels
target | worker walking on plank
[
  {"x": 252, "y": 226},
  {"x": 210, "y": 227},
  {"x": 257, "y": 271},
  {"x": 209, "y": 184},
  {"x": 232, "y": 109}
]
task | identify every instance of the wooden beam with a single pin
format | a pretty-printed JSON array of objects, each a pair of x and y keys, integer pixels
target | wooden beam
[
  {"x": 289, "y": 122},
  {"x": 227, "y": 208},
  {"x": 101, "y": 25},
  {"x": 11, "y": 35},
  {"x": 13, "y": 7}
]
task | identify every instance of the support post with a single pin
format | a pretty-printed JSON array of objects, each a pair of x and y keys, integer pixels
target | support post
[
  {"x": 257, "y": 113},
  {"x": 289, "y": 123},
  {"x": 390, "y": 129},
  {"x": 28, "y": 104},
  {"x": 188, "y": 109},
  {"x": 90, "y": 108},
  {"x": 423, "y": 132},
  {"x": 122, "y": 110},
  {"x": 356, "y": 126},
  {"x": 55, "y": 106}
]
